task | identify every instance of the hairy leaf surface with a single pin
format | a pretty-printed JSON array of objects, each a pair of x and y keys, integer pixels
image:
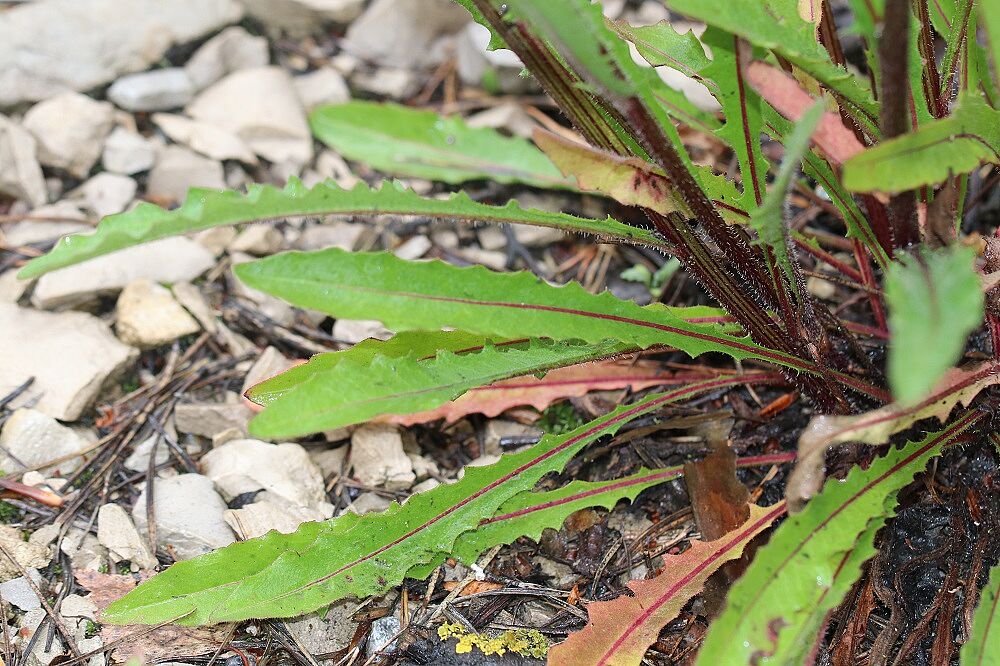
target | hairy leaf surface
[
  {"x": 409, "y": 142},
  {"x": 204, "y": 209},
  {"x": 286, "y": 575},
  {"x": 935, "y": 301},
  {"x": 876, "y": 427},
  {"x": 620, "y": 631},
  {"x": 983, "y": 646},
  {"x": 775, "y": 611},
  {"x": 432, "y": 295},
  {"x": 933, "y": 152}
]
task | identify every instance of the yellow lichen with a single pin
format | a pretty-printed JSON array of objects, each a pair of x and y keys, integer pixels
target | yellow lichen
[{"x": 525, "y": 642}]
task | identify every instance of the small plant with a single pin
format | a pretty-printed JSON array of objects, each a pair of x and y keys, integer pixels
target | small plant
[{"x": 892, "y": 151}]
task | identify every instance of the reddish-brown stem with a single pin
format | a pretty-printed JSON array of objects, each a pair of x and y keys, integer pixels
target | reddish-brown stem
[
  {"x": 828, "y": 258},
  {"x": 868, "y": 279}
]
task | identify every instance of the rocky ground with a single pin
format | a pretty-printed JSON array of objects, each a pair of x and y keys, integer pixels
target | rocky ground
[{"x": 121, "y": 378}]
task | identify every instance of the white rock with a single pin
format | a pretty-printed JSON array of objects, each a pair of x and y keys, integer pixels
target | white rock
[
  {"x": 65, "y": 383},
  {"x": 393, "y": 82},
  {"x": 330, "y": 461},
  {"x": 400, "y": 32},
  {"x": 20, "y": 173},
  {"x": 423, "y": 467},
  {"x": 497, "y": 429},
  {"x": 260, "y": 105},
  {"x": 299, "y": 18},
  {"x": 216, "y": 240},
  {"x": 29, "y": 554},
  {"x": 336, "y": 234},
  {"x": 148, "y": 316},
  {"x": 425, "y": 486},
  {"x": 324, "y": 86},
  {"x": 36, "y": 231},
  {"x": 52, "y": 46},
  {"x": 18, "y": 591},
  {"x": 378, "y": 459},
  {"x": 177, "y": 169},
  {"x": 70, "y": 130},
  {"x": 259, "y": 240},
  {"x": 474, "y": 61},
  {"x": 246, "y": 465},
  {"x": 271, "y": 307},
  {"x": 352, "y": 331},
  {"x": 11, "y": 288},
  {"x": 35, "y": 439},
  {"x": 195, "y": 302},
  {"x": 383, "y": 636},
  {"x": 165, "y": 260},
  {"x": 329, "y": 633},
  {"x": 232, "y": 49},
  {"x": 271, "y": 362},
  {"x": 84, "y": 550},
  {"x": 155, "y": 90},
  {"x": 73, "y": 605},
  {"x": 259, "y": 518},
  {"x": 138, "y": 460},
  {"x": 509, "y": 116},
  {"x": 106, "y": 193},
  {"x": 127, "y": 152},
  {"x": 413, "y": 248},
  {"x": 189, "y": 516},
  {"x": 209, "y": 419},
  {"x": 368, "y": 503},
  {"x": 210, "y": 140},
  {"x": 820, "y": 288},
  {"x": 117, "y": 533}
]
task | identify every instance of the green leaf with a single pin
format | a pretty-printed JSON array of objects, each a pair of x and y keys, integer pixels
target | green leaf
[
  {"x": 204, "y": 209},
  {"x": 811, "y": 561},
  {"x": 409, "y": 142},
  {"x": 776, "y": 25},
  {"x": 769, "y": 219},
  {"x": 983, "y": 646},
  {"x": 433, "y": 295},
  {"x": 354, "y": 392},
  {"x": 989, "y": 16},
  {"x": 935, "y": 300},
  {"x": 937, "y": 150},
  {"x": 286, "y": 575}
]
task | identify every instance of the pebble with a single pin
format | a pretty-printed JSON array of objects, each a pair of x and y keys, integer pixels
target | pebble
[
  {"x": 19, "y": 592},
  {"x": 155, "y": 90},
  {"x": 138, "y": 460},
  {"x": 232, "y": 49},
  {"x": 189, "y": 516},
  {"x": 212, "y": 141},
  {"x": 820, "y": 288},
  {"x": 330, "y": 461},
  {"x": 392, "y": 82},
  {"x": 84, "y": 550},
  {"x": 259, "y": 240},
  {"x": 74, "y": 605},
  {"x": 127, "y": 152},
  {"x": 20, "y": 173},
  {"x": 414, "y": 25},
  {"x": 178, "y": 169},
  {"x": 34, "y": 439},
  {"x": 299, "y": 18},
  {"x": 368, "y": 503},
  {"x": 259, "y": 518},
  {"x": 195, "y": 302},
  {"x": 166, "y": 260},
  {"x": 105, "y": 38},
  {"x": 353, "y": 331},
  {"x": 209, "y": 419},
  {"x": 106, "y": 193},
  {"x": 336, "y": 234},
  {"x": 383, "y": 635},
  {"x": 117, "y": 533},
  {"x": 148, "y": 316},
  {"x": 29, "y": 554},
  {"x": 425, "y": 485},
  {"x": 509, "y": 116},
  {"x": 271, "y": 362},
  {"x": 11, "y": 288},
  {"x": 475, "y": 61},
  {"x": 497, "y": 429},
  {"x": 65, "y": 384},
  {"x": 323, "y": 86},
  {"x": 261, "y": 107},
  {"x": 377, "y": 458},
  {"x": 70, "y": 130},
  {"x": 26, "y": 232},
  {"x": 216, "y": 240},
  {"x": 271, "y": 307},
  {"x": 328, "y": 632},
  {"x": 413, "y": 248},
  {"x": 247, "y": 465}
]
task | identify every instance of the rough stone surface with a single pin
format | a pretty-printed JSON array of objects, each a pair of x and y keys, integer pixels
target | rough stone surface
[
  {"x": 383, "y": 635},
  {"x": 259, "y": 518},
  {"x": 329, "y": 461},
  {"x": 165, "y": 260},
  {"x": 368, "y": 503},
  {"x": 20, "y": 173},
  {"x": 37, "y": 231},
  {"x": 270, "y": 363},
  {"x": 18, "y": 591},
  {"x": 117, "y": 533},
  {"x": 66, "y": 383},
  {"x": 29, "y": 554},
  {"x": 74, "y": 605},
  {"x": 259, "y": 240},
  {"x": 127, "y": 152},
  {"x": 353, "y": 331},
  {"x": 52, "y": 46},
  {"x": 328, "y": 633},
  {"x": 189, "y": 516},
  {"x": 378, "y": 459},
  {"x": 497, "y": 429},
  {"x": 336, "y": 234},
  {"x": 246, "y": 465},
  {"x": 148, "y": 315},
  {"x": 70, "y": 130},
  {"x": 33, "y": 438},
  {"x": 178, "y": 169},
  {"x": 299, "y": 18},
  {"x": 232, "y": 49},
  {"x": 138, "y": 460},
  {"x": 324, "y": 86},
  {"x": 155, "y": 90},
  {"x": 260, "y": 105},
  {"x": 195, "y": 302},
  {"x": 84, "y": 550},
  {"x": 209, "y": 419},
  {"x": 217, "y": 143},
  {"x": 414, "y": 25},
  {"x": 106, "y": 194}
]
